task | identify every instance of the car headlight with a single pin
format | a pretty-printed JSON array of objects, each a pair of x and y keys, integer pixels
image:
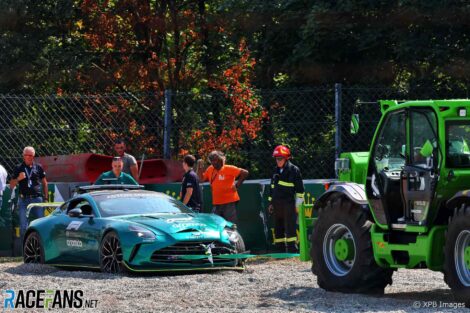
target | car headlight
[
  {"x": 233, "y": 235},
  {"x": 142, "y": 232}
]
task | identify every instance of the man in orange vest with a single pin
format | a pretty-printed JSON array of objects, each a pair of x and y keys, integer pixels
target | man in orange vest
[{"x": 224, "y": 188}]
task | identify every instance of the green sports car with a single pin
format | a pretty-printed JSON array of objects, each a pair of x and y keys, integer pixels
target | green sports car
[{"x": 124, "y": 228}]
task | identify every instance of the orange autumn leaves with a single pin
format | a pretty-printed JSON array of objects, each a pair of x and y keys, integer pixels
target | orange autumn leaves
[
  {"x": 243, "y": 116},
  {"x": 154, "y": 46}
]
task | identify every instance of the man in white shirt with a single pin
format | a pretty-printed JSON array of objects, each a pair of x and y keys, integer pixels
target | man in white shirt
[{"x": 3, "y": 183}]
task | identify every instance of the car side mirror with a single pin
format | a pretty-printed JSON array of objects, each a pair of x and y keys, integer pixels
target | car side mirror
[
  {"x": 354, "y": 124},
  {"x": 75, "y": 212}
]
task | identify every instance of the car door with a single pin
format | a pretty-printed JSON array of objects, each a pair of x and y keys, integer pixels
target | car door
[{"x": 80, "y": 234}]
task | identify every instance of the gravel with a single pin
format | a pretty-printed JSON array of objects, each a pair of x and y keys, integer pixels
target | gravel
[{"x": 265, "y": 286}]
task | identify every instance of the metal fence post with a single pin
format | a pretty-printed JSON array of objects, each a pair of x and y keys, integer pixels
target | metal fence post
[
  {"x": 167, "y": 125},
  {"x": 338, "y": 100}
]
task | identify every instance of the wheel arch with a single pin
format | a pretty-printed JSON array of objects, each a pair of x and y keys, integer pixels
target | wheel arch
[
  {"x": 29, "y": 231},
  {"x": 459, "y": 198},
  {"x": 352, "y": 191}
]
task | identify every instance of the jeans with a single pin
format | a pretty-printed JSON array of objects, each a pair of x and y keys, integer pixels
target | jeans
[
  {"x": 22, "y": 205},
  {"x": 228, "y": 211}
]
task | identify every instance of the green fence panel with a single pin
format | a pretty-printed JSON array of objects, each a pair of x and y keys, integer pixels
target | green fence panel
[
  {"x": 6, "y": 229},
  {"x": 10, "y": 243}
]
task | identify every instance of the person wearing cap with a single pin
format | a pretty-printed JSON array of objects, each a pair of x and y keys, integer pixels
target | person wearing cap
[
  {"x": 30, "y": 177},
  {"x": 285, "y": 197},
  {"x": 116, "y": 176},
  {"x": 224, "y": 188}
]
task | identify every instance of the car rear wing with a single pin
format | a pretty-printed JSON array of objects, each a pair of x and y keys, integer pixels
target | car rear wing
[
  {"x": 46, "y": 206},
  {"x": 86, "y": 189}
]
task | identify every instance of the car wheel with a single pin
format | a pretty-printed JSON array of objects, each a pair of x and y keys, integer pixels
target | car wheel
[
  {"x": 111, "y": 260},
  {"x": 342, "y": 253},
  {"x": 33, "y": 251},
  {"x": 240, "y": 248},
  {"x": 457, "y": 256}
]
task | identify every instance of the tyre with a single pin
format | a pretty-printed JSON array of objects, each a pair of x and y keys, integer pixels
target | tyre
[
  {"x": 33, "y": 251},
  {"x": 111, "y": 260},
  {"x": 240, "y": 248},
  {"x": 342, "y": 256},
  {"x": 457, "y": 255}
]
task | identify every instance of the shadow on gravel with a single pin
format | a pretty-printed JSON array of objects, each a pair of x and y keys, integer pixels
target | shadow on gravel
[
  {"x": 51, "y": 271},
  {"x": 45, "y": 270},
  {"x": 444, "y": 295},
  {"x": 320, "y": 300}
]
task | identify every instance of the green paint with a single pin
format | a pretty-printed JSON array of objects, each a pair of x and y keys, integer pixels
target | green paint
[
  {"x": 344, "y": 249},
  {"x": 426, "y": 150},
  {"x": 467, "y": 257}
]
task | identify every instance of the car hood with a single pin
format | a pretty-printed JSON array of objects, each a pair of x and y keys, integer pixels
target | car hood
[{"x": 177, "y": 223}]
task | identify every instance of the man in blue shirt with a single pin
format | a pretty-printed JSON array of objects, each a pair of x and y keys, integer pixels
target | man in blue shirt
[
  {"x": 190, "y": 191},
  {"x": 116, "y": 175}
]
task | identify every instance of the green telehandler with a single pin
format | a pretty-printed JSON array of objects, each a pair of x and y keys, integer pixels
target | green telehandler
[{"x": 403, "y": 204}]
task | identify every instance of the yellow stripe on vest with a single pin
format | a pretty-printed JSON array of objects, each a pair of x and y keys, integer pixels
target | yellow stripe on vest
[{"x": 285, "y": 184}]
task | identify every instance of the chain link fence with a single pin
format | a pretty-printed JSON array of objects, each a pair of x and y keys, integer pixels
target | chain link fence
[
  {"x": 56, "y": 125},
  {"x": 163, "y": 125}
]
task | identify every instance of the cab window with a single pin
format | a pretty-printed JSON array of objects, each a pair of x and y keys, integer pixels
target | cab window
[
  {"x": 423, "y": 129},
  {"x": 457, "y": 144},
  {"x": 389, "y": 152}
]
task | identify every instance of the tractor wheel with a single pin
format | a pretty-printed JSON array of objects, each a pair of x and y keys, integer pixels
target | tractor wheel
[
  {"x": 457, "y": 255},
  {"x": 342, "y": 253}
]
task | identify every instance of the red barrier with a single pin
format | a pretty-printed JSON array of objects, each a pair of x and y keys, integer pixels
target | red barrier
[{"x": 86, "y": 167}]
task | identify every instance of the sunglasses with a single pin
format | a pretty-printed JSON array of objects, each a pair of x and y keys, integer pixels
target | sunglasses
[{"x": 279, "y": 159}]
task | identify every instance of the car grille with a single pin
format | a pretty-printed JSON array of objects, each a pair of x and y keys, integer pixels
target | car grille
[{"x": 172, "y": 254}]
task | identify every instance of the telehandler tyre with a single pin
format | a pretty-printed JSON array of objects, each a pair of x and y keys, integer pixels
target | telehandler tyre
[
  {"x": 457, "y": 255},
  {"x": 341, "y": 250}
]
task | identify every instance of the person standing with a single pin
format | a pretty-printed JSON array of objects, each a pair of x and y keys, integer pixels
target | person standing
[
  {"x": 116, "y": 176},
  {"x": 224, "y": 189},
  {"x": 286, "y": 196},
  {"x": 129, "y": 162},
  {"x": 3, "y": 183},
  {"x": 29, "y": 176},
  {"x": 190, "y": 191}
]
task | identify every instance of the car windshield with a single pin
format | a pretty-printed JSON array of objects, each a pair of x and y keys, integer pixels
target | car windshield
[{"x": 138, "y": 203}]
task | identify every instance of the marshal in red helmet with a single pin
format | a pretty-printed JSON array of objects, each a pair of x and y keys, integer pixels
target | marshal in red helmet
[{"x": 281, "y": 151}]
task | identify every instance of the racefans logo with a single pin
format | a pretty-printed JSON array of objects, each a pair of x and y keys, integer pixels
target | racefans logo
[{"x": 46, "y": 299}]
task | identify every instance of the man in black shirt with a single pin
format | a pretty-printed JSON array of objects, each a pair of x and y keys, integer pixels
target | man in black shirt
[
  {"x": 29, "y": 176},
  {"x": 190, "y": 191}
]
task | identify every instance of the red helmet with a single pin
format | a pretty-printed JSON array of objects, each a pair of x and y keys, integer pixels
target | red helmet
[{"x": 281, "y": 151}]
